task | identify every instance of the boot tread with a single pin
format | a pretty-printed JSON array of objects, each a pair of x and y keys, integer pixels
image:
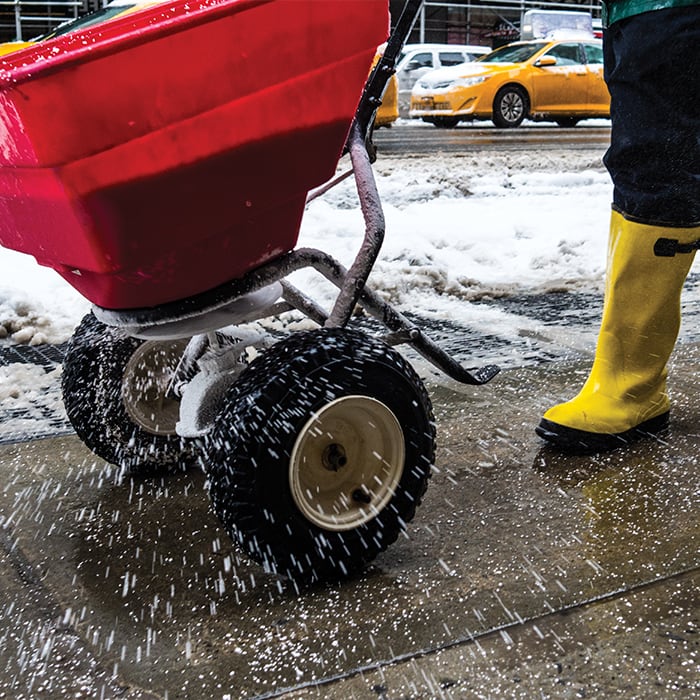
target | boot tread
[{"x": 577, "y": 441}]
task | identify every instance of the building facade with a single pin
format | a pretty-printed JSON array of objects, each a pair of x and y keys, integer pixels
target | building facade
[
  {"x": 484, "y": 22},
  {"x": 481, "y": 22}
]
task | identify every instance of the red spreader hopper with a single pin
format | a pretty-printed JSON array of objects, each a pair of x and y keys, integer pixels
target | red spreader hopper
[{"x": 155, "y": 156}]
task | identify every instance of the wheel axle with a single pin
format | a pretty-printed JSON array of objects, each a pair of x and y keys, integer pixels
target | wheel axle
[{"x": 334, "y": 457}]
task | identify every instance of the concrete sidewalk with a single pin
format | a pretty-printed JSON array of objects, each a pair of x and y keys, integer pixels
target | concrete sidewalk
[{"x": 524, "y": 574}]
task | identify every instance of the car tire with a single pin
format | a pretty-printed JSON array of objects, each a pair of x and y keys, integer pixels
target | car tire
[
  {"x": 114, "y": 394},
  {"x": 445, "y": 122},
  {"x": 510, "y": 107},
  {"x": 567, "y": 122}
]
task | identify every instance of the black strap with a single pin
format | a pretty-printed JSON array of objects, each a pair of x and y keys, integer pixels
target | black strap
[{"x": 668, "y": 247}]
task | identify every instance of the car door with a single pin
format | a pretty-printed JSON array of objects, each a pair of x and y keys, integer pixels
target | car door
[
  {"x": 598, "y": 97},
  {"x": 563, "y": 86}
]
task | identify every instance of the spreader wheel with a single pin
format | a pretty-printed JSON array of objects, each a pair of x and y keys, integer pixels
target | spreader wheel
[
  {"x": 114, "y": 391},
  {"x": 321, "y": 454}
]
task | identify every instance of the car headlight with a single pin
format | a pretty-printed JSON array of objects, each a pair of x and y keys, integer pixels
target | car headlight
[
  {"x": 454, "y": 82},
  {"x": 441, "y": 85},
  {"x": 469, "y": 82}
]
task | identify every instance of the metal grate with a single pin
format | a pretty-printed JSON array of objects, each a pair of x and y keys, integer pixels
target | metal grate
[
  {"x": 47, "y": 356},
  {"x": 28, "y": 413}
]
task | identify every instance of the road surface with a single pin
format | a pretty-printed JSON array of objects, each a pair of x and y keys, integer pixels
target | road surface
[{"x": 417, "y": 138}]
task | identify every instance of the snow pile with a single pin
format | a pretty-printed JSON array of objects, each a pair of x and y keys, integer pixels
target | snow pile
[
  {"x": 458, "y": 228},
  {"x": 36, "y": 305}
]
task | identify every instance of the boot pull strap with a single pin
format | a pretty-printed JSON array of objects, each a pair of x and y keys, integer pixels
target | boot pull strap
[{"x": 668, "y": 247}]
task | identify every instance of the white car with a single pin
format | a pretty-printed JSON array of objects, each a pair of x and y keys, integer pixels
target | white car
[{"x": 416, "y": 60}]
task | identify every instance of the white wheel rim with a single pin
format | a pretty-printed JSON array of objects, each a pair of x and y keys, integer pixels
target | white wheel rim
[
  {"x": 347, "y": 462},
  {"x": 145, "y": 383}
]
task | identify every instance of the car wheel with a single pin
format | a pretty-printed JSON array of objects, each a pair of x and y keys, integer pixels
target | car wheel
[
  {"x": 114, "y": 391},
  {"x": 510, "y": 107},
  {"x": 567, "y": 122},
  {"x": 446, "y": 122},
  {"x": 321, "y": 454}
]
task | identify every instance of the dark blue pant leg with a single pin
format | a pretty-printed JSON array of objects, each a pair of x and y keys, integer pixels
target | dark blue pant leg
[{"x": 652, "y": 68}]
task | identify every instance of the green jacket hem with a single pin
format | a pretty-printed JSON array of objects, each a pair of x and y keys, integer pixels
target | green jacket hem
[{"x": 615, "y": 10}]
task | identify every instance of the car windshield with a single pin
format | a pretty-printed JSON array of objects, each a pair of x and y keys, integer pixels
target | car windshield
[
  {"x": 101, "y": 15},
  {"x": 513, "y": 53}
]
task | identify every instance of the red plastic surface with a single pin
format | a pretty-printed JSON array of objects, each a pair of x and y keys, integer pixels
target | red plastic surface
[{"x": 155, "y": 156}]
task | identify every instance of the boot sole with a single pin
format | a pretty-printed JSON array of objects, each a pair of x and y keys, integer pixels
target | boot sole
[{"x": 583, "y": 442}]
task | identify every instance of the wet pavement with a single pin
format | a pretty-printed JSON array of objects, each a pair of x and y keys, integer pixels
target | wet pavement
[
  {"x": 524, "y": 574},
  {"x": 414, "y": 137}
]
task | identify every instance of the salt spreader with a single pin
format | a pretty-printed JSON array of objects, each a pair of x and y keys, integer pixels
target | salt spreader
[{"x": 161, "y": 162}]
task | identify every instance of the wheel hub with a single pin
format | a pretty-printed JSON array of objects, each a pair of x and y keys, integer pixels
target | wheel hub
[
  {"x": 145, "y": 383},
  {"x": 334, "y": 457},
  {"x": 512, "y": 107},
  {"x": 346, "y": 463}
]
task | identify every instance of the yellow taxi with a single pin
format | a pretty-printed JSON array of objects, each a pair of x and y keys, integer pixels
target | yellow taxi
[
  {"x": 388, "y": 111},
  {"x": 10, "y": 46},
  {"x": 559, "y": 81}
]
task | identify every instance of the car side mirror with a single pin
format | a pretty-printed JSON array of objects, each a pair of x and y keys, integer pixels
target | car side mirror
[
  {"x": 546, "y": 61},
  {"x": 414, "y": 65}
]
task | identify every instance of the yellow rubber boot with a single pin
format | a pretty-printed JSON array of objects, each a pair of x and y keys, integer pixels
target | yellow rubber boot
[{"x": 625, "y": 395}]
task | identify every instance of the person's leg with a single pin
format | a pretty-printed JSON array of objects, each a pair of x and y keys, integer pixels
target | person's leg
[{"x": 652, "y": 65}]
